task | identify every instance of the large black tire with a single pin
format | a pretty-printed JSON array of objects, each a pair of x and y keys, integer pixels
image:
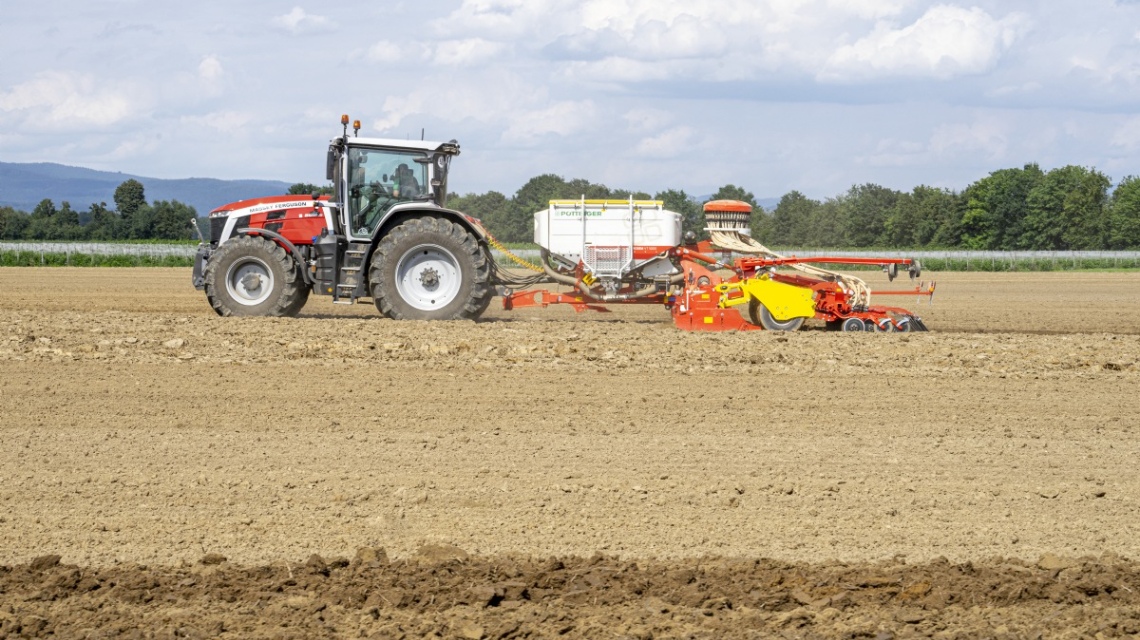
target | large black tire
[
  {"x": 430, "y": 269},
  {"x": 253, "y": 276},
  {"x": 759, "y": 315}
]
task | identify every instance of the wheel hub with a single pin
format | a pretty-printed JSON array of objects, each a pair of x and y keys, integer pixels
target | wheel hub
[
  {"x": 428, "y": 277},
  {"x": 249, "y": 281}
]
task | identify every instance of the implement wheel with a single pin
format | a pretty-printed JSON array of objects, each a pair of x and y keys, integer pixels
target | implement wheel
[
  {"x": 760, "y": 315},
  {"x": 254, "y": 276},
  {"x": 853, "y": 324},
  {"x": 883, "y": 325},
  {"x": 430, "y": 269}
]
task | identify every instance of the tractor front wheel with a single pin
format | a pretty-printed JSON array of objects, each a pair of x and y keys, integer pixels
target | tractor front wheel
[
  {"x": 253, "y": 276},
  {"x": 430, "y": 269}
]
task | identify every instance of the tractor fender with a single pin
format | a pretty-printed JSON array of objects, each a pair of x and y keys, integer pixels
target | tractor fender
[
  {"x": 398, "y": 215},
  {"x": 289, "y": 247},
  {"x": 401, "y": 213}
]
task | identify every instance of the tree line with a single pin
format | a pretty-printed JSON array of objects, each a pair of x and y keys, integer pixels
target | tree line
[
  {"x": 1068, "y": 208},
  {"x": 131, "y": 219}
]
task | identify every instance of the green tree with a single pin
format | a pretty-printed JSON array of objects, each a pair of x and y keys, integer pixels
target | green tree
[
  {"x": 1067, "y": 210},
  {"x": 140, "y": 226},
  {"x": 67, "y": 223},
  {"x": 42, "y": 224},
  {"x": 130, "y": 197},
  {"x": 579, "y": 187},
  {"x": 866, "y": 209},
  {"x": 790, "y": 221},
  {"x": 1125, "y": 215},
  {"x": 496, "y": 213},
  {"x": 305, "y": 189},
  {"x": 939, "y": 212},
  {"x": 997, "y": 208},
  {"x": 539, "y": 191},
  {"x": 44, "y": 210},
  {"x": 918, "y": 216},
  {"x": 534, "y": 196},
  {"x": 102, "y": 222},
  {"x": 171, "y": 220},
  {"x": 12, "y": 223},
  {"x": 825, "y": 228}
]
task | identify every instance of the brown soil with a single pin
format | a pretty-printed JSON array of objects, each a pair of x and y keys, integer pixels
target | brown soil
[{"x": 976, "y": 480}]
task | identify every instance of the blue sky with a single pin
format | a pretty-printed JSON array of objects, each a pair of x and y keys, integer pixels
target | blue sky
[{"x": 772, "y": 95}]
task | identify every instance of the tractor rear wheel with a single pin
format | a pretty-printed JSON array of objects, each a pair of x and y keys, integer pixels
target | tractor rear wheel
[
  {"x": 430, "y": 269},
  {"x": 760, "y": 315},
  {"x": 253, "y": 276}
]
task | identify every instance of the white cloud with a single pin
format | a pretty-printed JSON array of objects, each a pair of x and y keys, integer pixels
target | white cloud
[
  {"x": 133, "y": 146},
  {"x": 299, "y": 21},
  {"x": 667, "y": 144},
  {"x": 977, "y": 137},
  {"x": 464, "y": 97},
  {"x": 67, "y": 101},
  {"x": 646, "y": 119},
  {"x": 1013, "y": 90},
  {"x": 471, "y": 51},
  {"x": 210, "y": 68},
  {"x": 988, "y": 138},
  {"x": 1127, "y": 137},
  {"x": 385, "y": 51},
  {"x": 633, "y": 41},
  {"x": 869, "y": 9},
  {"x": 562, "y": 119},
  {"x": 223, "y": 121},
  {"x": 946, "y": 41},
  {"x": 493, "y": 18}
]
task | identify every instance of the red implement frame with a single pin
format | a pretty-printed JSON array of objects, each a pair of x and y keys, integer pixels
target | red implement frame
[{"x": 696, "y": 306}]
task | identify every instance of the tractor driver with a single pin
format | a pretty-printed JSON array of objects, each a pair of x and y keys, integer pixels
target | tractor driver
[{"x": 405, "y": 186}]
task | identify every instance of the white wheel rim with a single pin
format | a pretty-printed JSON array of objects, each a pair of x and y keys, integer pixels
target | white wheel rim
[
  {"x": 249, "y": 281},
  {"x": 428, "y": 277}
]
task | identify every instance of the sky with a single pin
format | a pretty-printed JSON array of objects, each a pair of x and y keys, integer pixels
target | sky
[{"x": 769, "y": 95}]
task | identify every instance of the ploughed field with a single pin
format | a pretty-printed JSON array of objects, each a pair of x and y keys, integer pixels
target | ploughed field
[{"x": 543, "y": 472}]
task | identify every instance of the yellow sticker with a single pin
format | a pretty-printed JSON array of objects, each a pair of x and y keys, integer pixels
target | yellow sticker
[
  {"x": 708, "y": 319},
  {"x": 704, "y": 296}
]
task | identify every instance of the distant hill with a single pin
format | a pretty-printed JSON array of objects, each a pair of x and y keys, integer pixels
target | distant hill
[{"x": 24, "y": 185}]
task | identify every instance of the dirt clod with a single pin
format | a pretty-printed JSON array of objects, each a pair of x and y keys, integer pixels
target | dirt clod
[{"x": 43, "y": 563}]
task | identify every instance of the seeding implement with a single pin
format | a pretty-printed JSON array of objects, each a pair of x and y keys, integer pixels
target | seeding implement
[{"x": 386, "y": 235}]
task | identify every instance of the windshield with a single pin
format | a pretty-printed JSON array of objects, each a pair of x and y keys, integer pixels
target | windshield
[{"x": 379, "y": 179}]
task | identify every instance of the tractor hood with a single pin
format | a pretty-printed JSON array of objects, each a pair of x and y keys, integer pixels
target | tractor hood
[{"x": 267, "y": 203}]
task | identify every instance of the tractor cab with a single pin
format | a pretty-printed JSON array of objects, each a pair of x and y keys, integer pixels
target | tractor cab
[{"x": 376, "y": 178}]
